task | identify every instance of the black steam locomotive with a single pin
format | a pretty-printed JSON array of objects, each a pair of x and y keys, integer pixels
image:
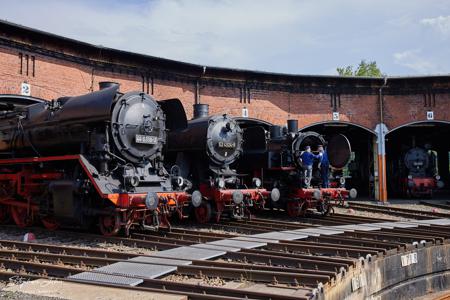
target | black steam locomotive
[
  {"x": 274, "y": 154},
  {"x": 419, "y": 173},
  {"x": 76, "y": 161},
  {"x": 204, "y": 149}
]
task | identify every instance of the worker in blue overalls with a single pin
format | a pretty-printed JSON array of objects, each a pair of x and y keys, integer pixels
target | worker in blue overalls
[
  {"x": 324, "y": 166},
  {"x": 307, "y": 159}
]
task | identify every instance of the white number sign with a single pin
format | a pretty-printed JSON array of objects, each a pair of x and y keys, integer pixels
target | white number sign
[
  {"x": 335, "y": 116},
  {"x": 25, "y": 89}
]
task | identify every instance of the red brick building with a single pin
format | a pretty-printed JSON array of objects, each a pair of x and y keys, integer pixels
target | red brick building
[{"x": 380, "y": 116}]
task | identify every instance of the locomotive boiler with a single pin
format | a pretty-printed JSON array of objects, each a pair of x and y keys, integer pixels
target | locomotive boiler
[
  {"x": 274, "y": 153},
  {"x": 420, "y": 176},
  {"x": 96, "y": 158},
  {"x": 204, "y": 151}
]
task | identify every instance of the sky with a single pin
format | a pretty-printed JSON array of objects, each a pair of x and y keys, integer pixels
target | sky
[{"x": 409, "y": 37}]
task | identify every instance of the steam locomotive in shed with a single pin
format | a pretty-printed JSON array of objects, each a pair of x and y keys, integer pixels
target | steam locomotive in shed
[
  {"x": 274, "y": 154},
  {"x": 204, "y": 149},
  {"x": 419, "y": 174},
  {"x": 86, "y": 160}
]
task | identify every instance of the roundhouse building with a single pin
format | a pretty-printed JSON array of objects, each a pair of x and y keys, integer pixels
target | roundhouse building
[{"x": 382, "y": 117}]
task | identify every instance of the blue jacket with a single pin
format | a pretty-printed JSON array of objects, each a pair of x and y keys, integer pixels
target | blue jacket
[
  {"x": 324, "y": 159},
  {"x": 308, "y": 158}
]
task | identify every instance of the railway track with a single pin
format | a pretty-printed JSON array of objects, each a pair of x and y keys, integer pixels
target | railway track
[
  {"x": 437, "y": 205},
  {"x": 300, "y": 264},
  {"x": 34, "y": 261},
  {"x": 397, "y": 211}
]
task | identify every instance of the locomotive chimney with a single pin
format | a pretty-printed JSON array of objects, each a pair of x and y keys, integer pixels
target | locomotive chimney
[
  {"x": 107, "y": 84},
  {"x": 201, "y": 110},
  {"x": 275, "y": 131},
  {"x": 292, "y": 126}
]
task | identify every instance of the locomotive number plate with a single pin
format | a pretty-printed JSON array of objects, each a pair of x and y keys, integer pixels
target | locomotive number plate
[{"x": 146, "y": 139}]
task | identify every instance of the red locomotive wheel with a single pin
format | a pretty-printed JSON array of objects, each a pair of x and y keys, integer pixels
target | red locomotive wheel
[
  {"x": 5, "y": 217},
  {"x": 20, "y": 216},
  {"x": 293, "y": 208},
  {"x": 203, "y": 212},
  {"x": 50, "y": 223},
  {"x": 109, "y": 225}
]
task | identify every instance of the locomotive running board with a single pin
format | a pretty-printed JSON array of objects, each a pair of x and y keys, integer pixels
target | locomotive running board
[{"x": 101, "y": 183}]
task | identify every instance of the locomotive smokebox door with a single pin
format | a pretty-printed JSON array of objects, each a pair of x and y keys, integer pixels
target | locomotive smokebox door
[{"x": 339, "y": 151}]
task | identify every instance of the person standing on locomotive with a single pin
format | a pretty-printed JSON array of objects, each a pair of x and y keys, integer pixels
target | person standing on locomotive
[
  {"x": 324, "y": 166},
  {"x": 307, "y": 160}
]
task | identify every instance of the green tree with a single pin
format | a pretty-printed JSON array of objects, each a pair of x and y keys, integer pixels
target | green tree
[{"x": 366, "y": 69}]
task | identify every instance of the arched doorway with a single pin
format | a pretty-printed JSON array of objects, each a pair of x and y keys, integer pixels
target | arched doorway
[
  {"x": 360, "y": 169},
  {"x": 429, "y": 136}
]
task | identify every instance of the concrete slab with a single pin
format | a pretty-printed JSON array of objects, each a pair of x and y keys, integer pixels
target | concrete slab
[
  {"x": 145, "y": 270},
  {"x": 442, "y": 222},
  {"x": 295, "y": 235},
  {"x": 280, "y": 235},
  {"x": 106, "y": 278},
  {"x": 391, "y": 225},
  {"x": 216, "y": 247},
  {"x": 360, "y": 227},
  {"x": 407, "y": 223},
  {"x": 160, "y": 261},
  {"x": 387, "y": 225},
  {"x": 256, "y": 239},
  {"x": 238, "y": 243},
  {"x": 79, "y": 291},
  {"x": 190, "y": 253},
  {"x": 320, "y": 231}
]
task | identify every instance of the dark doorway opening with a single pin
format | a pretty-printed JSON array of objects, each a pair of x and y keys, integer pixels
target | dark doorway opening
[
  {"x": 359, "y": 170},
  {"x": 431, "y": 143}
]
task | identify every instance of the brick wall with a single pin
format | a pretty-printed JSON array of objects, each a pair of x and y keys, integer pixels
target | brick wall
[
  {"x": 404, "y": 109},
  {"x": 54, "y": 77}
]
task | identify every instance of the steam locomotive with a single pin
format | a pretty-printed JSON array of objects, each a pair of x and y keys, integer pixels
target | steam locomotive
[
  {"x": 420, "y": 177},
  {"x": 78, "y": 161},
  {"x": 274, "y": 154},
  {"x": 204, "y": 150}
]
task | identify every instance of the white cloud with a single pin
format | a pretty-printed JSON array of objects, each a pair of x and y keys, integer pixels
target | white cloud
[
  {"x": 413, "y": 60},
  {"x": 441, "y": 24}
]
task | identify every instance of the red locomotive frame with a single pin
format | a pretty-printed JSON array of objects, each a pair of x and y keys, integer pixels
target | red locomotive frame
[
  {"x": 22, "y": 189},
  {"x": 223, "y": 199}
]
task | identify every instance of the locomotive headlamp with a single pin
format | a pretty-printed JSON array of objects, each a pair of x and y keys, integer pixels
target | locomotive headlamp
[
  {"x": 238, "y": 196},
  {"x": 151, "y": 201},
  {"x": 257, "y": 182},
  {"x": 275, "y": 194},
  {"x": 317, "y": 194},
  {"x": 353, "y": 193},
  {"x": 196, "y": 198},
  {"x": 409, "y": 176},
  {"x": 132, "y": 180},
  {"x": 342, "y": 180},
  {"x": 438, "y": 177},
  {"x": 221, "y": 183}
]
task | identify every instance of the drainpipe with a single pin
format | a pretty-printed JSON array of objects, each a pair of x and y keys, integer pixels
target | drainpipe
[{"x": 381, "y": 131}]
